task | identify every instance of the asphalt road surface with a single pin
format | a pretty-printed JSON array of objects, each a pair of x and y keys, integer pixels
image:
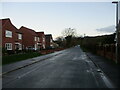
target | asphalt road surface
[{"x": 70, "y": 69}]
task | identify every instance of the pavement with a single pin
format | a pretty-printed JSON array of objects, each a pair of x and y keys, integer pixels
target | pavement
[
  {"x": 21, "y": 64},
  {"x": 111, "y": 69},
  {"x": 70, "y": 68}
]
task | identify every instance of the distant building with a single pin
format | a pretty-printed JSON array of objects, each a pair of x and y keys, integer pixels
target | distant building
[
  {"x": 42, "y": 39},
  {"x": 49, "y": 41},
  {"x": 30, "y": 39},
  {"x": 11, "y": 36}
]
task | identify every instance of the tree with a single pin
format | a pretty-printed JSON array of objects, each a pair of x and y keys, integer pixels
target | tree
[
  {"x": 60, "y": 41},
  {"x": 69, "y": 32}
]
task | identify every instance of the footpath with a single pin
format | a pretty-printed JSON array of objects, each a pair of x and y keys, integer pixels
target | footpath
[
  {"x": 111, "y": 69},
  {"x": 22, "y": 64}
]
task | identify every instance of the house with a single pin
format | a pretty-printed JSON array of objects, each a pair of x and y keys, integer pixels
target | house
[
  {"x": 41, "y": 35},
  {"x": 30, "y": 39},
  {"x": 11, "y": 36},
  {"x": 49, "y": 41}
]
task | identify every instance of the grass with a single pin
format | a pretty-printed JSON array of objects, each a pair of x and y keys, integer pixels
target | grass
[{"x": 18, "y": 57}]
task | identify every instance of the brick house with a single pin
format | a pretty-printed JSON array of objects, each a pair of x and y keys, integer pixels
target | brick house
[
  {"x": 49, "y": 41},
  {"x": 31, "y": 39},
  {"x": 41, "y": 35},
  {"x": 11, "y": 36}
]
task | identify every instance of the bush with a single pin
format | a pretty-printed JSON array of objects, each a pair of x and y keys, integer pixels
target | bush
[{"x": 4, "y": 51}]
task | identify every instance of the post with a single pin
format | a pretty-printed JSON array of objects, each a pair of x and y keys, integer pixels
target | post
[
  {"x": 117, "y": 33},
  {"x": 117, "y": 56},
  {"x": 118, "y": 28}
]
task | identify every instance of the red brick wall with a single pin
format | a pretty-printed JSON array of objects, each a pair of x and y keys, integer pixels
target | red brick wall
[
  {"x": 7, "y": 25},
  {"x": 48, "y": 39},
  {"x": 28, "y": 37},
  {"x": 41, "y": 36}
]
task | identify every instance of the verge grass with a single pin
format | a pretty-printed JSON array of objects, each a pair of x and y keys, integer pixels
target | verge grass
[{"x": 18, "y": 57}]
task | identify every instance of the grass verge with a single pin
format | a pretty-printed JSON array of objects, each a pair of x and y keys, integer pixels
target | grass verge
[{"x": 18, "y": 57}]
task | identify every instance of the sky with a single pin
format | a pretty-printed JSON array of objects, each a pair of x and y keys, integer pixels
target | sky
[{"x": 89, "y": 18}]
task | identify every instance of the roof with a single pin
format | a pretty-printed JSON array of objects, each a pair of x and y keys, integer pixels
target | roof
[
  {"x": 28, "y": 30},
  {"x": 40, "y": 32},
  {"x": 6, "y": 21},
  {"x": 48, "y": 36}
]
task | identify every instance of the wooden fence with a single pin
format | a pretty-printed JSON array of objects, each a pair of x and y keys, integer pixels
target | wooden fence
[{"x": 108, "y": 51}]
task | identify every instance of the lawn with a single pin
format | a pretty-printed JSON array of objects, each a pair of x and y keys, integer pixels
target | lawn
[{"x": 18, "y": 57}]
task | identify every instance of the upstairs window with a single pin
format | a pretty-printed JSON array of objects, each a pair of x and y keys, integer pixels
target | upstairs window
[
  {"x": 51, "y": 40},
  {"x": 19, "y": 36},
  {"x": 35, "y": 38},
  {"x": 38, "y": 39},
  {"x": 8, "y": 33},
  {"x": 43, "y": 39}
]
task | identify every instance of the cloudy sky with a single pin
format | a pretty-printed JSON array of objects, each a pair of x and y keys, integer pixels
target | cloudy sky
[{"x": 90, "y": 18}]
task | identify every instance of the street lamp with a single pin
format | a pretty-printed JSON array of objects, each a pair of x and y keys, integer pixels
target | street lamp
[{"x": 117, "y": 33}]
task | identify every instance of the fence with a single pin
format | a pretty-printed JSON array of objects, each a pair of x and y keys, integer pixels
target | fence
[{"x": 107, "y": 50}]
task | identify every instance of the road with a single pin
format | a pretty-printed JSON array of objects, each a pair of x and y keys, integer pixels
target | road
[{"x": 70, "y": 69}]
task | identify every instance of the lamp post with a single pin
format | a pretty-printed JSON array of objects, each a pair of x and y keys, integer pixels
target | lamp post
[{"x": 117, "y": 33}]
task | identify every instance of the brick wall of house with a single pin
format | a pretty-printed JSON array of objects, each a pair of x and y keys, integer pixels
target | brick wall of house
[
  {"x": 7, "y": 25},
  {"x": 49, "y": 41},
  {"x": 24, "y": 37},
  {"x": 42, "y": 39},
  {"x": 29, "y": 38}
]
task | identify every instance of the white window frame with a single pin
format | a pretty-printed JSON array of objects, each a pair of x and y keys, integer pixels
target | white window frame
[
  {"x": 20, "y": 46},
  {"x": 35, "y": 38},
  {"x": 43, "y": 39},
  {"x": 38, "y": 39},
  {"x": 44, "y": 46},
  {"x": 8, "y": 46},
  {"x": 20, "y": 36},
  {"x": 51, "y": 40},
  {"x": 8, "y": 33}
]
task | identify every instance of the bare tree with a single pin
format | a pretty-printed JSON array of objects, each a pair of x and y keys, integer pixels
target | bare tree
[{"x": 69, "y": 32}]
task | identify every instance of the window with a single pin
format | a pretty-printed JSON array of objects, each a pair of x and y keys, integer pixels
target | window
[
  {"x": 43, "y": 46},
  {"x": 19, "y": 36},
  {"x": 38, "y": 39},
  {"x": 20, "y": 46},
  {"x": 8, "y": 33},
  {"x": 43, "y": 39},
  {"x": 51, "y": 40},
  {"x": 8, "y": 46},
  {"x": 35, "y": 38}
]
